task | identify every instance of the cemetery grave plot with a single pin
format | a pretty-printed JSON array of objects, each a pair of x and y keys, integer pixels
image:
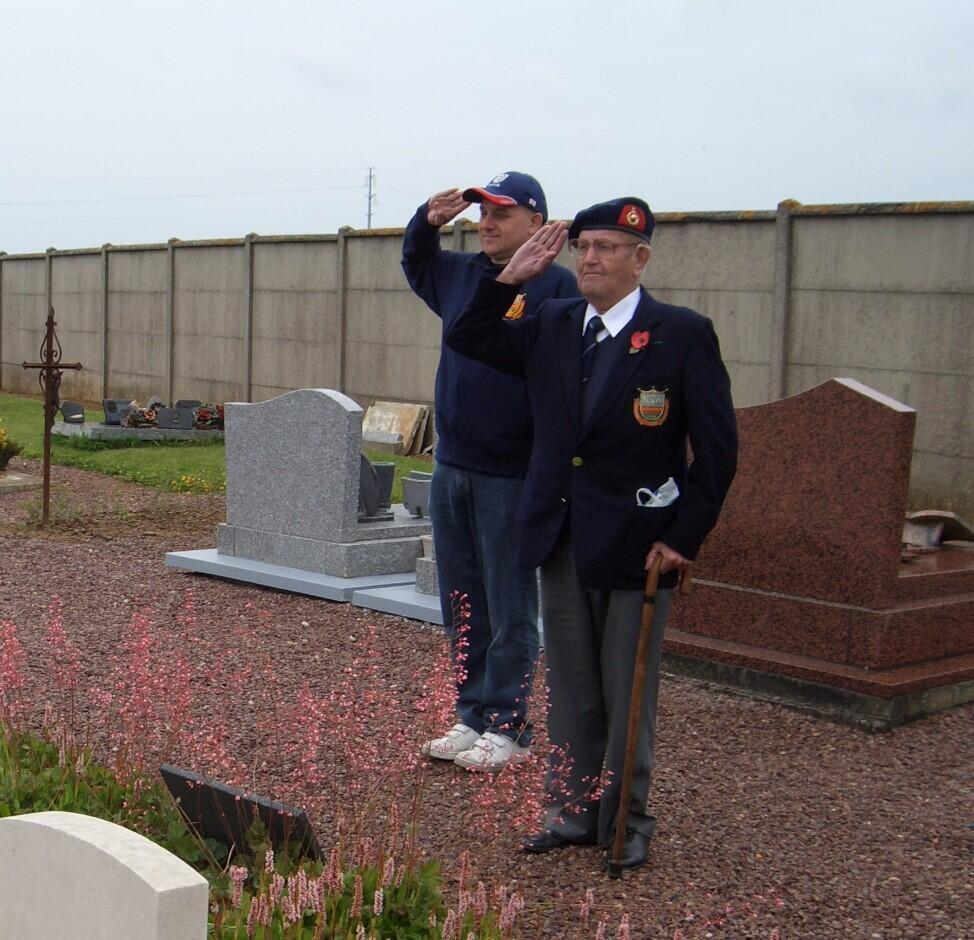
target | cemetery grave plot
[{"x": 811, "y": 827}]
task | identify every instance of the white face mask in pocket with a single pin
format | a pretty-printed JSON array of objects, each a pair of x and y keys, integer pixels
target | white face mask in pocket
[{"x": 656, "y": 499}]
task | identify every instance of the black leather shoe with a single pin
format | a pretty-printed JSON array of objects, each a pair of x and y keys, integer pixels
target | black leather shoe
[
  {"x": 635, "y": 851},
  {"x": 547, "y": 841}
]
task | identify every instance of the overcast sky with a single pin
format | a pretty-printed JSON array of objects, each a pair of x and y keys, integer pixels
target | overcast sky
[{"x": 131, "y": 122}]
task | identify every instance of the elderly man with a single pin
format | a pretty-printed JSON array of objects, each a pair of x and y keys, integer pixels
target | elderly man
[
  {"x": 484, "y": 439},
  {"x": 619, "y": 383}
]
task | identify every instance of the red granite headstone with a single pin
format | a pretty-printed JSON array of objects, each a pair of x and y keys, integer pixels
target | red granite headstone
[{"x": 803, "y": 575}]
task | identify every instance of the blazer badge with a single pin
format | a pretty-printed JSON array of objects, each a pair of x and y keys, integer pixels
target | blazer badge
[
  {"x": 516, "y": 310},
  {"x": 650, "y": 407}
]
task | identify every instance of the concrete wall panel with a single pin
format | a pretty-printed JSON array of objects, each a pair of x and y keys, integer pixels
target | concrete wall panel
[
  {"x": 392, "y": 348},
  {"x": 295, "y": 318},
  {"x": 939, "y": 482},
  {"x": 912, "y": 332},
  {"x": 138, "y": 297},
  {"x": 296, "y": 266},
  {"x": 712, "y": 256},
  {"x": 884, "y": 252},
  {"x": 24, "y": 310},
  {"x": 76, "y": 295},
  {"x": 210, "y": 323},
  {"x": 373, "y": 263}
]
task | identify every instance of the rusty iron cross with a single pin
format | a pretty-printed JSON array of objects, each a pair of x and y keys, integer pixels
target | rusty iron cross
[{"x": 50, "y": 369}]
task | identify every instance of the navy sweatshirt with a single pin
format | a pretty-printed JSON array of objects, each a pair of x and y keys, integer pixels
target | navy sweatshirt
[{"x": 483, "y": 419}]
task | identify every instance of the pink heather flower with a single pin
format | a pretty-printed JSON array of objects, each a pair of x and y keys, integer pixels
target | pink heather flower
[
  {"x": 623, "y": 932},
  {"x": 65, "y": 662},
  {"x": 289, "y": 912},
  {"x": 238, "y": 875},
  {"x": 586, "y": 907},
  {"x": 388, "y": 871},
  {"x": 450, "y": 925},
  {"x": 356, "y": 910},
  {"x": 12, "y": 665},
  {"x": 276, "y": 889},
  {"x": 464, "y": 870},
  {"x": 360, "y": 932},
  {"x": 480, "y": 900},
  {"x": 269, "y": 861},
  {"x": 600, "y": 930},
  {"x": 509, "y": 912},
  {"x": 252, "y": 918},
  {"x": 333, "y": 874},
  {"x": 377, "y": 902}
]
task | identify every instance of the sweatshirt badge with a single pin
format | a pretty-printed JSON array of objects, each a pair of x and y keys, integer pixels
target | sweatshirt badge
[
  {"x": 638, "y": 340},
  {"x": 516, "y": 310},
  {"x": 650, "y": 407}
]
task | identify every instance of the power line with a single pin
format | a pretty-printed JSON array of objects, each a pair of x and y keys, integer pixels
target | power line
[{"x": 104, "y": 199}]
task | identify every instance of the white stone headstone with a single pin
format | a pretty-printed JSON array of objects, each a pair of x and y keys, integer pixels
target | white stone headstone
[{"x": 70, "y": 875}]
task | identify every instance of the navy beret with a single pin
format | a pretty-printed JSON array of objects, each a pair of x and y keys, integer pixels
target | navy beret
[{"x": 627, "y": 214}]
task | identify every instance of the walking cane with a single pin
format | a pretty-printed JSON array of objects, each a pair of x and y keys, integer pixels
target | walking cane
[{"x": 636, "y": 707}]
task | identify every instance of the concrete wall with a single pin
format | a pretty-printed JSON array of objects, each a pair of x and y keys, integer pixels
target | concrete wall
[
  {"x": 138, "y": 333},
  {"x": 880, "y": 293},
  {"x": 889, "y": 300}
]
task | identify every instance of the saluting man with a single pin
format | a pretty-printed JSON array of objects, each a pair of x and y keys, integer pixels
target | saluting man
[
  {"x": 484, "y": 439},
  {"x": 619, "y": 384}
]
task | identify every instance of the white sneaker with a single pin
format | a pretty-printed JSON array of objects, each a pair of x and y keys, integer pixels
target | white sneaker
[
  {"x": 492, "y": 752},
  {"x": 458, "y": 739}
]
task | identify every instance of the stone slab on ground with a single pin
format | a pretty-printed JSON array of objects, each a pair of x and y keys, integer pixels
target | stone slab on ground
[
  {"x": 403, "y": 600},
  {"x": 280, "y": 577},
  {"x": 70, "y": 875},
  {"x": 96, "y": 431},
  {"x": 13, "y": 481}
]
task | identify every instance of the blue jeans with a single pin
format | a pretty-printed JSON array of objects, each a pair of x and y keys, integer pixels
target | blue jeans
[{"x": 473, "y": 533}]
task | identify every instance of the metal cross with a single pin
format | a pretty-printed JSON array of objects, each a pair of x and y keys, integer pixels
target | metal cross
[{"x": 49, "y": 377}]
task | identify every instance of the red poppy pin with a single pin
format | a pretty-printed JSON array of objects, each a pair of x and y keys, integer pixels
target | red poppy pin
[{"x": 638, "y": 341}]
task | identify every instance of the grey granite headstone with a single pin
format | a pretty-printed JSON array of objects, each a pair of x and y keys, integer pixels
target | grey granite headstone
[
  {"x": 72, "y": 412},
  {"x": 175, "y": 418},
  {"x": 113, "y": 409},
  {"x": 293, "y": 469}
]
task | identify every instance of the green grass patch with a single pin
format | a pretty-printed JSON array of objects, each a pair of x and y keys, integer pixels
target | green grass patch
[{"x": 182, "y": 466}]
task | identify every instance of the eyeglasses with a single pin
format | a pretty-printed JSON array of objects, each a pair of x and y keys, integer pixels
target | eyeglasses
[{"x": 602, "y": 249}]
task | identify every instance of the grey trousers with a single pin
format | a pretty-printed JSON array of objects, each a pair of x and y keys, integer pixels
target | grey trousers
[{"x": 590, "y": 648}]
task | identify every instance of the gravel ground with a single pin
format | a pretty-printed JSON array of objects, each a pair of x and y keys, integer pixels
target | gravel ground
[{"x": 769, "y": 820}]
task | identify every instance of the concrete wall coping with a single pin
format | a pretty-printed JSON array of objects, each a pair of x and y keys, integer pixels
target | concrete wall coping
[{"x": 794, "y": 208}]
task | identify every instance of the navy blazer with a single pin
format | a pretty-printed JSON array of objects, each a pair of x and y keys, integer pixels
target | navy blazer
[{"x": 660, "y": 394}]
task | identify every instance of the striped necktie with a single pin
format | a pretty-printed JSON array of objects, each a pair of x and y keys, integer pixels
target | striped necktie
[{"x": 589, "y": 342}]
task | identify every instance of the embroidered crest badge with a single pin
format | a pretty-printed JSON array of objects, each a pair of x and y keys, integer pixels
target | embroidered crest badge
[
  {"x": 516, "y": 310},
  {"x": 650, "y": 407}
]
